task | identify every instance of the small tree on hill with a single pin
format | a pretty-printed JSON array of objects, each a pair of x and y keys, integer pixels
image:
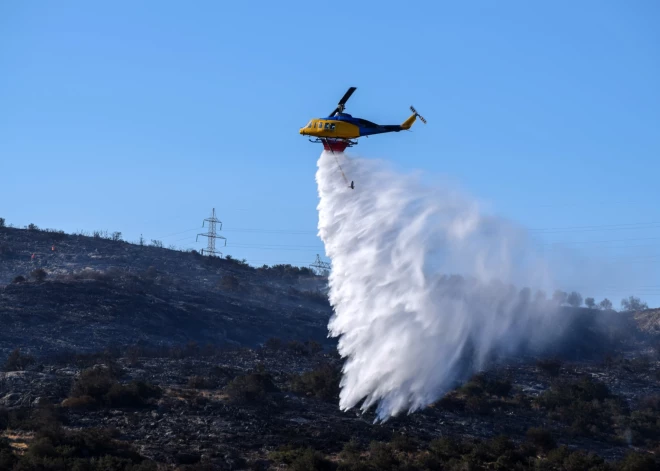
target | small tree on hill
[
  {"x": 540, "y": 296},
  {"x": 2, "y": 222},
  {"x": 633, "y": 304},
  {"x": 39, "y": 274},
  {"x": 116, "y": 236},
  {"x": 605, "y": 304},
  {"x": 574, "y": 299},
  {"x": 559, "y": 296},
  {"x": 590, "y": 303}
]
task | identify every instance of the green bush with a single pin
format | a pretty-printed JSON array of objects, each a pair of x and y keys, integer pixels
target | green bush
[
  {"x": 322, "y": 383},
  {"x": 100, "y": 387},
  {"x": 252, "y": 387},
  {"x": 302, "y": 459}
]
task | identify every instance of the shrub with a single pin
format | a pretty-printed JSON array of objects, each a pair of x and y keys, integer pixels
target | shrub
[
  {"x": 480, "y": 384},
  {"x": 404, "y": 443},
  {"x": 551, "y": 367},
  {"x": 637, "y": 462},
  {"x": 311, "y": 460},
  {"x": 39, "y": 274},
  {"x": 93, "y": 382},
  {"x": 200, "y": 382},
  {"x": 322, "y": 383},
  {"x": 251, "y": 387},
  {"x": 541, "y": 438},
  {"x": 100, "y": 385},
  {"x": 2, "y": 223},
  {"x": 586, "y": 405},
  {"x": 17, "y": 361},
  {"x": 82, "y": 402},
  {"x": 134, "y": 394},
  {"x": 19, "y": 279},
  {"x": 296, "y": 347},
  {"x": 478, "y": 405},
  {"x": 382, "y": 456}
]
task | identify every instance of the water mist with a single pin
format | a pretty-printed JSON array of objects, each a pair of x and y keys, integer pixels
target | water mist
[{"x": 424, "y": 286}]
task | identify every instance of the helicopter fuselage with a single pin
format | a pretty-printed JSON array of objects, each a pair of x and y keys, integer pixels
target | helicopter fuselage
[{"x": 345, "y": 126}]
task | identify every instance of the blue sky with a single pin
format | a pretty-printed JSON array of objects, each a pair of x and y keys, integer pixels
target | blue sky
[{"x": 141, "y": 116}]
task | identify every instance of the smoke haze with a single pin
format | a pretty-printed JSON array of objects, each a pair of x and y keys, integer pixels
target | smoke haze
[{"x": 422, "y": 285}]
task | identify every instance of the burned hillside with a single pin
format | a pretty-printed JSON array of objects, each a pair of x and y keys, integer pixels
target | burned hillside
[
  {"x": 86, "y": 293},
  {"x": 139, "y": 357}
]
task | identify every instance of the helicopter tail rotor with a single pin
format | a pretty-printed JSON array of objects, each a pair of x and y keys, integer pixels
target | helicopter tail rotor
[{"x": 417, "y": 114}]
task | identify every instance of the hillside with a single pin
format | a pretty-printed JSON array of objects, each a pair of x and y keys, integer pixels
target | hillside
[
  {"x": 127, "y": 357},
  {"x": 97, "y": 293}
]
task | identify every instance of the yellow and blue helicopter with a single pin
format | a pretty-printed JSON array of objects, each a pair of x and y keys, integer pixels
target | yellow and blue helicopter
[{"x": 337, "y": 130}]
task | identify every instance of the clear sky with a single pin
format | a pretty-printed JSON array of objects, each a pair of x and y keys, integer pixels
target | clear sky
[{"x": 140, "y": 117}]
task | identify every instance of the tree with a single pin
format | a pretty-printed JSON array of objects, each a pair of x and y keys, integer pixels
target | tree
[
  {"x": 574, "y": 299},
  {"x": 559, "y": 296},
  {"x": 605, "y": 304},
  {"x": 590, "y": 303},
  {"x": 540, "y": 296},
  {"x": 633, "y": 304},
  {"x": 525, "y": 295},
  {"x": 157, "y": 243},
  {"x": 116, "y": 236},
  {"x": 2, "y": 222}
]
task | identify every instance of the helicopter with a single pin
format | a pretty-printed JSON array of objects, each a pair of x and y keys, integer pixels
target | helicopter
[{"x": 339, "y": 130}]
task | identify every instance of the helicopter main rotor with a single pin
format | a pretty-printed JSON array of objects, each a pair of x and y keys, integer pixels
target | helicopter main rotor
[{"x": 342, "y": 102}]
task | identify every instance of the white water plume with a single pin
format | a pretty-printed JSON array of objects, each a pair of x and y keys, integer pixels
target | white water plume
[{"x": 422, "y": 284}]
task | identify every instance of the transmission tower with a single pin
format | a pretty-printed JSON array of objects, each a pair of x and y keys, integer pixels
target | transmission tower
[
  {"x": 322, "y": 268},
  {"x": 212, "y": 235}
]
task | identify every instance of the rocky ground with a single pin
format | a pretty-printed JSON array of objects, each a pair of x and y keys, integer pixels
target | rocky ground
[
  {"x": 205, "y": 414},
  {"x": 146, "y": 358}
]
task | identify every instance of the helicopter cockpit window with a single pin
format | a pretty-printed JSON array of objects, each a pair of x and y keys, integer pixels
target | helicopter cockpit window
[{"x": 309, "y": 125}]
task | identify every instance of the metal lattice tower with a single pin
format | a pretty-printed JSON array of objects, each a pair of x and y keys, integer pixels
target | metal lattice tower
[
  {"x": 322, "y": 268},
  {"x": 212, "y": 235}
]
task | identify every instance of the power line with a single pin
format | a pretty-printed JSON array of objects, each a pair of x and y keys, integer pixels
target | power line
[
  {"x": 611, "y": 227},
  {"x": 321, "y": 267},
  {"x": 211, "y": 235}
]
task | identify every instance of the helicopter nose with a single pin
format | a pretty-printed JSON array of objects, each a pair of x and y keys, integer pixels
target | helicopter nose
[{"x": 302, "y": 130}]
